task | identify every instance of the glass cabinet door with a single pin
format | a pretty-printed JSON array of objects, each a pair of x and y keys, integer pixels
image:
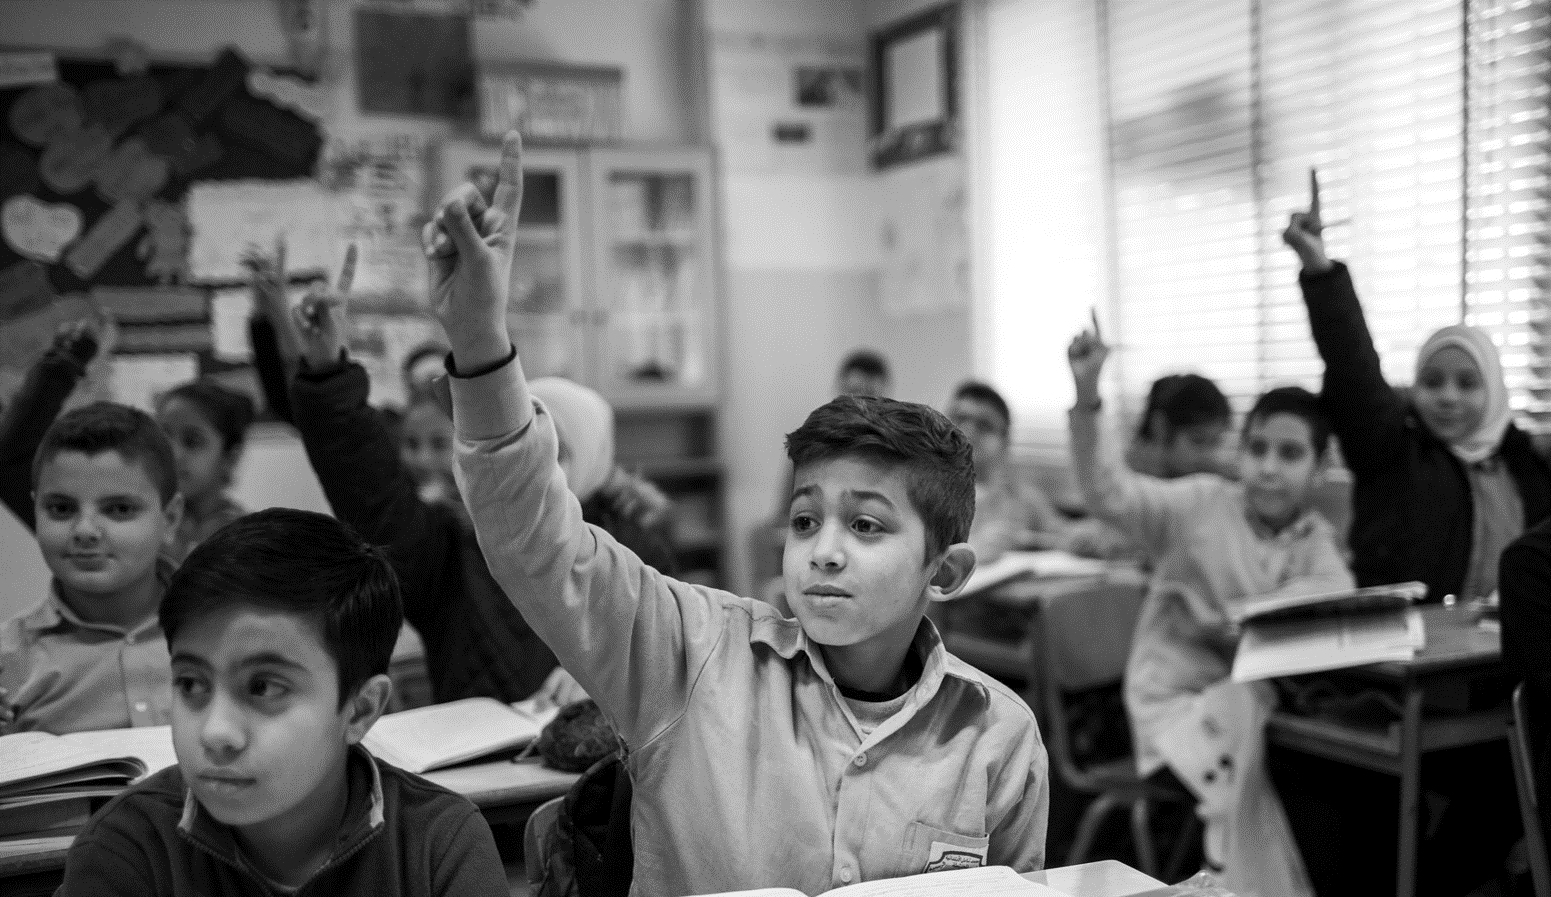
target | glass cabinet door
[
  {"x": 545, "y": 314},
  {"x": 654, "y": 330}
]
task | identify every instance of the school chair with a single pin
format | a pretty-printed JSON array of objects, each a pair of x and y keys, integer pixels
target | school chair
[
  {"x": 1072, "y": 661},
  {"x": 1529, "y": 801}
]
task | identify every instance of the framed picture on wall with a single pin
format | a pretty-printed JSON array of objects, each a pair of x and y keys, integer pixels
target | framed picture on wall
[{"x": 913, "y": 74}]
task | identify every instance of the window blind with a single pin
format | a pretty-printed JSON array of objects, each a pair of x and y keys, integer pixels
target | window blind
[{"x": 1508, "y": 190}]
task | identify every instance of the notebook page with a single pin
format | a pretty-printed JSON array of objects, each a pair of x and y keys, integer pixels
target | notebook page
[{"x": 986, "y": 881}]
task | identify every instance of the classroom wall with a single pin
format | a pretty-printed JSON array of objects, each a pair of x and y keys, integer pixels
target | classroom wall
[{"x": 647, "y": 38}]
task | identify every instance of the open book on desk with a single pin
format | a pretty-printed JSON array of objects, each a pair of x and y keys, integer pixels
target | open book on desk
[
  {"x": 986, "y": 881},
  {"x": 1039, "y": 564},
  {"x": 51, "y": 782},
  {"x": 1373, "y": 599},
  {"x": 441, "y": 735},
  {"x": 1291, "y": 647}
]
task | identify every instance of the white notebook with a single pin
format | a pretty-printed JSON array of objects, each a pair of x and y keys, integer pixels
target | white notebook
[
  {"x": 444, "y": 734},
  {"x": 986, "y": 881}
]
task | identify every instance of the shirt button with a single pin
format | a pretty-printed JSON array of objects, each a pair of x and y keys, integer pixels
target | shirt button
[
  {"x": 129, "y": 640},
  {"x": 861, "y": 760},
  {"x": 845, "y": 874}
]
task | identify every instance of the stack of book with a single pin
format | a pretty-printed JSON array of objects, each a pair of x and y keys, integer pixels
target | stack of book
[
  {"x": 1284, "y": 635},
  {"x": 50, "y": 784}
]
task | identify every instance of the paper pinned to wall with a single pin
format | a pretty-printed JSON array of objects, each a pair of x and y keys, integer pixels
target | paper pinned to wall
[
  {"x": 924, "y": 236},
  {"x": 229, "y": 314},
  {"x": 138, "y": 380},
  {"x": 379, "y": 185},
  {"x": 229, "y": 217}
]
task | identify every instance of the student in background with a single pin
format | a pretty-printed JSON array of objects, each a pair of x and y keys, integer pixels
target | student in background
[
  {"x": 32, "y": 409},
  {"x": 207, "y": 424},
  {"x": 1182, "y": 429},
  {"x": 91, "y": 655},
  {"x": 1442, "y": 482},
  {"x": 404, "y": 497},
  {"x": 863, "y": 373},
  {"x": 1215, "y": 542},
  {"x": 840, "y": 746},
  {"x": 281, "y": 626},
  {"x": 1009, "y": 513}
]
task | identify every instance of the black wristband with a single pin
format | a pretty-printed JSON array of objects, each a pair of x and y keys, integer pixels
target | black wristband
[
  {"x": 483, "y": 369},
  {"x": 1094, "y": 408}
]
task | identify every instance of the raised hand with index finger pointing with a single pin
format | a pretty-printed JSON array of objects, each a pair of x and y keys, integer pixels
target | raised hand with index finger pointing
[
  {"x": 320, "y": 318},
  {"x": 1304, "y": 232},
  {"x": 469, "y": 244},
  {"x": 1087, "y": 354}
]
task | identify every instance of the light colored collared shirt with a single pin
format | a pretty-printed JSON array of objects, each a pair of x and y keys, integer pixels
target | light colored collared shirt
[
  {"x": 1007, "y": 513},
  {"x": 1207, "y": 553},
  {"x": 63, "y": 674},
  {"x": 749, "y": 767}
]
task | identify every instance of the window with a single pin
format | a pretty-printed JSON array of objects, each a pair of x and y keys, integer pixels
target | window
[{"x": 1427, "y": 120}]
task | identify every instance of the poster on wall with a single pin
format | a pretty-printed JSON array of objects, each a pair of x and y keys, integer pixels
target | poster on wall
[
  {"x": 380, "y": 191},
  {"x": 923, "y": 233},
  {"x": 791, "y": 102}
]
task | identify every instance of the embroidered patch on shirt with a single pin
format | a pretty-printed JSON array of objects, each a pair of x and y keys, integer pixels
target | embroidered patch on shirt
[{"x": 953, "y": 856}]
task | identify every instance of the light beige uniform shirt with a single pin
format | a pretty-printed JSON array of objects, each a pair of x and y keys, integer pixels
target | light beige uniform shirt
[{"x": 749, "y": 767}]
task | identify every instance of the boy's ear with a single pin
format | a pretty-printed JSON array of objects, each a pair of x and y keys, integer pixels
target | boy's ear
[
  {"x": 369, "y": 702},
  {"x": 173, "y": 512},
  {"x": 952, "y": 572}
]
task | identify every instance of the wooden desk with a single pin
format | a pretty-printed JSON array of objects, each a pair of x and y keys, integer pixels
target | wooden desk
[
  {"x": 505, "y": 792},
  {"x": 1458, "y": 652},
  {"x": 1106, "y": 878}
]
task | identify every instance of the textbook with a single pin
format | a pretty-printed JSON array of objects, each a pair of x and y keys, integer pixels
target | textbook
[
  {"x": 985, "y": 881},
  {"x": 439, "y": 735},
  {"x": 1314, "y": 644},
  {"x": 50, "y": 783},
  {"x": 1039, "y": 564},
  {"x": 1269, "y": 608}
]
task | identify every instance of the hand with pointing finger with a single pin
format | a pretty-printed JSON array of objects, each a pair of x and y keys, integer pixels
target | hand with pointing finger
[
  {"x": 1304, "y": 232},
  {"x": 1087, "y": 354},
  {"x": 469, "y": 244},
  {"x": 319, "y": 319}
]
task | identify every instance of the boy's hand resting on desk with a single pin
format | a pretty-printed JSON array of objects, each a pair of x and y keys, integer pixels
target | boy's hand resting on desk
[
  {"x": 1087, "y": 354},
  {"x": 470, "y": 248},
  {"x": 1305, "y": 231},
  {"x": 320, "y": 318}
]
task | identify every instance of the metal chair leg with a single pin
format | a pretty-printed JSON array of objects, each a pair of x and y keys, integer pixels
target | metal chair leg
[
  {"x": 1088, "y": 828},
  {"x": 1141, "y": 834}
]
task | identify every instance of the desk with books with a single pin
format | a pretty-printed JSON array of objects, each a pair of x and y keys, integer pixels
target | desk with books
[{"x": 1446, "y": 694}]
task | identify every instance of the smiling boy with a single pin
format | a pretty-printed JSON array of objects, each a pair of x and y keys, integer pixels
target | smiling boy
[
  {"x": 92, "y": 655},
  {"x": 840, "y": 746},
  {"x": 281, "y": 626},
  {"x": 1215, "y": 542}
]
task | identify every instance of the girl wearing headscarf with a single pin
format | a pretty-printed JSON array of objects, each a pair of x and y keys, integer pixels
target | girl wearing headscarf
[
  {"x": 1442, "y": 479},
  {"x": 1442, "y": 482}
]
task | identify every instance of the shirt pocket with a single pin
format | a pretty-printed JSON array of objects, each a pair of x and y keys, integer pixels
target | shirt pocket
[{"x": 931, "y": 849}]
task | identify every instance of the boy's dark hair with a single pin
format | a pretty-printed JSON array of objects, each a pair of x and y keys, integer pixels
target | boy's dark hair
[
  {"x": 1300, "y": 403},
  {"x": 229, "y": 412},
  {"x": 110, "y": 427},
  {"x": 978, "y": 391},
  {"x": 302, "y": 563},
  {"x": 937, "y": 459},
  {"x": 867, "y": 362},
  {"x": 1183, "y": 400}
]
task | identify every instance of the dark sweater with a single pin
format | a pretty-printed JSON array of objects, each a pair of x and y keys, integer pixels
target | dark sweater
[
  {"x": 428, "y": 841},
  {"x": 1524, "y": 586},
  {"x": 1412, "y": 515},
  {"x": 36, "y": 404},
  {"x": 476, "y": 641}
]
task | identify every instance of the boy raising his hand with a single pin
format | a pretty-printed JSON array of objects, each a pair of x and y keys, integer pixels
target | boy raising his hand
[{"x": 840, "y": 746}]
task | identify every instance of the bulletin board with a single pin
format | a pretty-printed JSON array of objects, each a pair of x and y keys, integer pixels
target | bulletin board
[{"x": 97, "y": 157}]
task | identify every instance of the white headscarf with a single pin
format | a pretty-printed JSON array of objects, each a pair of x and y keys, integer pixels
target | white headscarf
[
  {"x": 1488, "y": 435},
  {"x": 584, "y": 423}
]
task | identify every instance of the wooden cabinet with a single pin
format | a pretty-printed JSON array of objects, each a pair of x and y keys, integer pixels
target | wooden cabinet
[{"x": 614, "y": 286}]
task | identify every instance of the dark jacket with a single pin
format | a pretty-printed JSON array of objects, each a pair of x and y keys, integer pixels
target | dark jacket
[
  {"x": 1412, "y": 516},
  {"x": 476, "y": 641},
  {"x": 1524, "y": 586},
  {"x": 36, "y": 404},
  {"x": 403, "y": 837}
]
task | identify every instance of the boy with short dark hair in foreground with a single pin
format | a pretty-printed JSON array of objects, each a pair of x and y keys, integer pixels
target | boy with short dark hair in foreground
[
  {"x": 840, "y": 746},
  {"x": 281, "y": 626}
]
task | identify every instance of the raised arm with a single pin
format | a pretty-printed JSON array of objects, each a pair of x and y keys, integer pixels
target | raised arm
[
  {"x": 354, "y": 455},
  {"x": 48, "y": 384},
  {"x": 1143, "y": 507},
  {"x": 276, "y": 345},
  {"x": 1367, "y": 414},
  {"x": 635, "y": 639}
]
